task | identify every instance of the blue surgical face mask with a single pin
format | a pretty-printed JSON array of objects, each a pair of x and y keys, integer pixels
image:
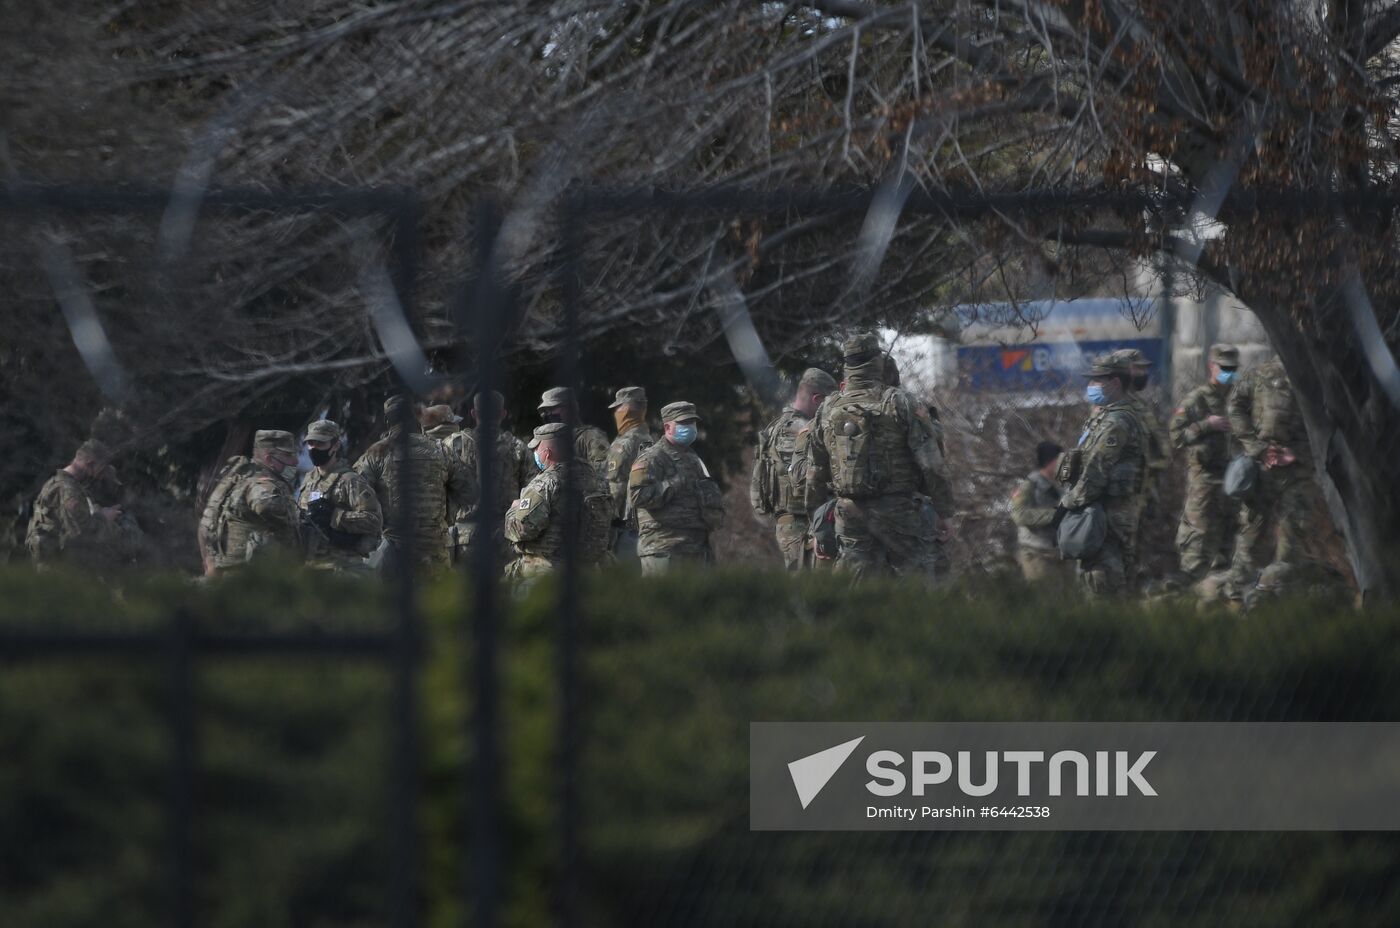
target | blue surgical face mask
[
  {"x": 538, "y": 462},
  {"x": 683, "y": 434},
  {"x": 1096, "y": 395},
  {"x": 1225, "y": 378}
]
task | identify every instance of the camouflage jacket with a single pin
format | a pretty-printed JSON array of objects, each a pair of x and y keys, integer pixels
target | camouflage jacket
[
  {"x": 250, "y": 510},
  {"x": 1114, "y": 461},
  {"x": 772, "y": 488},
  {"x": 1158, "y": 447},
  {"x": 68, "y": 525},
  {"x": 535, "y": 525},
  {"x": 514, "y": 469},
  {"x": 591, "y": 445},
  {"x": 1207, "y": 449},
  {"x": 676, "y": 500},
  {"x": 440, "y": 481},
  {"x": 1263, "y": 411},
  {"x": 621, "y": 456},
  {"x": 1033, "y": 509},
  {"x": 355, "y": 520}
]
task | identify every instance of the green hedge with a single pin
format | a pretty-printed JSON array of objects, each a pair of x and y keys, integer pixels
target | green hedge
[{"x": 294, "y": 755}]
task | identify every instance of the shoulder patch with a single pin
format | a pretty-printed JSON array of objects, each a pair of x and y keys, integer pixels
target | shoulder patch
[
  {"x": 523, "y": 503},
  {"x": 639, "y": 465}
]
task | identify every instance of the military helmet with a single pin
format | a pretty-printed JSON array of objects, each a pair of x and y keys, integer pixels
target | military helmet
[{"x": 860, "y": 344}]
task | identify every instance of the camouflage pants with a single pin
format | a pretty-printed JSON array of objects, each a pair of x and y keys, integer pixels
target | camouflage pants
[
  {"x": 1041, "y": 564},
  {"x": 792, "y": 534},
  {"x": 889, "y": 535},
  {"x": 1105, "y": 573},
  {"x": 653, "y": 564},
  {"x": 1205, "y": 525},
  {"x": 1279, "y": 506}
]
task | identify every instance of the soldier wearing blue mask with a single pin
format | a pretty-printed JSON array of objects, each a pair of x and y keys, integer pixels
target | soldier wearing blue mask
[
  {"x": 1201, "y": 428},
  {"x": 677, "y": 502},
  {"x": 1107, "y": 470}
]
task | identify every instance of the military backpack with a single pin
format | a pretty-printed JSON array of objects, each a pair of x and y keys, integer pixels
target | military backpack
[{"x": 852, "y": 424}]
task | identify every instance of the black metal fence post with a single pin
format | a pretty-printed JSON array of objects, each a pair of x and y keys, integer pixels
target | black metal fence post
[{"x": 183, "y": 751}]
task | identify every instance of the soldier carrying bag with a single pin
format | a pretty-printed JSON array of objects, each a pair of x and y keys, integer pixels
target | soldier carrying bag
[{"x": 855, "y": 468}]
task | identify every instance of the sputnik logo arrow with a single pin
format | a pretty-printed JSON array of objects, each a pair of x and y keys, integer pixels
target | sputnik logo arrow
[{"x": 810, "y": 774}]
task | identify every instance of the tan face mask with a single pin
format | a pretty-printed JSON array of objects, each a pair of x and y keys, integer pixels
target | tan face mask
[{"x": 628, "y": 417}]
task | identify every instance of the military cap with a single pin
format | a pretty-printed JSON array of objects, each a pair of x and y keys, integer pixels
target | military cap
[
  {"x": 819, "y": 380},
  {"x": 95, "y": 450},
  {"x": 395, "y": 406},
  {"x": 636, "y": 396},
  {"x": 1131, "y": 357},
  {"x": 434, "y": 416},
  {"x": 479, "y": 401},
  {"x": 323, "y": 430},
  {"x": 557, "y": 396},
  {"x": 547, "y": 431},
  {"x": 1225, "y": 355},
  {"x": 1108, "y": 365},
  {"x": 274, "y": 440},
  {"x": 679, "y": 411},
  {"x": 858, "y": 344}
]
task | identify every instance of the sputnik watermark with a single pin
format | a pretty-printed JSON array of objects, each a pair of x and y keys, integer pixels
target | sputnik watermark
[{"x": 1114, "y": 776}]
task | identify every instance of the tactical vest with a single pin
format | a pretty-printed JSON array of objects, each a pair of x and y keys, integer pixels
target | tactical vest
[
  {"x": 777, "y": 446},
  {"x": 356, "y": 544},
  {"x": 226, "y": 536},
  {"x": 696, "y": 506},
  {"x": 867, "y": 444}
]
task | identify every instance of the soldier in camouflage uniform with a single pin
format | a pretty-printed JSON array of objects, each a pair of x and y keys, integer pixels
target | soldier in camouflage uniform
[
  {"x": 874, "y": 447},
  {"x": 251, "y": 511},
  {"x": 677, "y": 502},
  {"x": 772, "y": 490},
  {"x": 1265, "y": 419},
  {"x": 68, "y": 526},
  {"x": 1200, "y": 427},
  {"x": 440, "y": 423},
  {"x": 338, "y": 505},
  {"x": 1107, "y": 468},
  {"x": 1033, "y": 508},
  {"x": 558, "y": 404},
  {"x": 630, "y": 415},
  {"x": 535, "y": 523},
  {"x": 1158, "y": 451},
  {"x": 513, "y": 469},
  {"x": 441, "y": 485}
]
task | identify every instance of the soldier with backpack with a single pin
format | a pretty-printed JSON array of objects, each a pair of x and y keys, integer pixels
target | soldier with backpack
[
  {"x": 773, "y": 489},
  {"x": 251, "y": 510},
  {"x": 874, "y": 447},
  {"x": 535, "y": 524}
]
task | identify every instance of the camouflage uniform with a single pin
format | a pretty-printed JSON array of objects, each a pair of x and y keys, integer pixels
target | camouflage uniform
[
  {"x": 590, "y": 443},
  {"x": 439, "y": 480},
  {"x": 67, "y": 525},
  {"x": 251, "y": 508},
  {"x": 875, "y": 448},
  {"x": 535, "y": 523},
  {"x": 1206, "y": 515},
  {"x": 1158, "y": 450},
  {"x": 1033, "y": 507},
  {"x": 677, "y": 502},
  {"x": 1263, "y": 412},
  {"x": 341, "y": 508},
  {"x": 1112, "y": 457},
  {"x": 632, "y": 436},
  {"x": 514, "y": 469},
  {"x": 772, "y": 489}
]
